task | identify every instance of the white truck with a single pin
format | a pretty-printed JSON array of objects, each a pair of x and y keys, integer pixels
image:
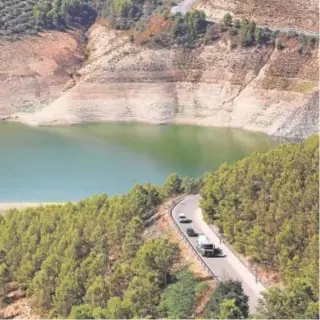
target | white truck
[
  {"x": 204, "y": 246},
  {"x": 182, "y": 218}
]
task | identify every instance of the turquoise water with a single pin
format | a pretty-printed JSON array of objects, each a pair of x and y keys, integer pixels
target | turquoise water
[{"x": 73, "y": 162}]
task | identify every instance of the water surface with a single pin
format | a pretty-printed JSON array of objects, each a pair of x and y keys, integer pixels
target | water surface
[{"x": 73, "y": 162}]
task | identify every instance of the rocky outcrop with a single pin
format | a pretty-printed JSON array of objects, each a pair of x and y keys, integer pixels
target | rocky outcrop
[{"x": 261, "y": 89}]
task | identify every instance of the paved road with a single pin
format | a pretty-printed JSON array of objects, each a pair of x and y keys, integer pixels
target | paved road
[
  {"x": 228, "y": 267},
  {"x": 186, "y": 5}
]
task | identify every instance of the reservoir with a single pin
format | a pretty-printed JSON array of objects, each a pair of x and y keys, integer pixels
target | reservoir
[{"x": 68, "y": 163}]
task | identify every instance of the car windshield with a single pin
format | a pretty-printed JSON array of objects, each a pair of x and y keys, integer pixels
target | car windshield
[{"x": 208, "y": 246}]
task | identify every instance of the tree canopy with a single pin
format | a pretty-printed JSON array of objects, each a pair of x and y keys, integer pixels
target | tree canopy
[
  {"x": 267, "y": 206},
  {"x": 90, "y": 260},
  {"x": 76, "y": 259}
]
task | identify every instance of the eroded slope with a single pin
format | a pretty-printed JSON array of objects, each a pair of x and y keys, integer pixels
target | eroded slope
[
  {"x": 296, "y": 14},
  {"x": 262, "y": 89}
]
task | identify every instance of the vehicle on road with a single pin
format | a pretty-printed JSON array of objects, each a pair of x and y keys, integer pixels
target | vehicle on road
[
  {"x": 182, "y": 218},
  {"x": 191, "y": 232},
  {"x": 204, "y": 246}
]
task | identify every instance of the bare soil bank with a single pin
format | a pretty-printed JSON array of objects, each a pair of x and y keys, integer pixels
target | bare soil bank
[{"x": 260, "y": 89}]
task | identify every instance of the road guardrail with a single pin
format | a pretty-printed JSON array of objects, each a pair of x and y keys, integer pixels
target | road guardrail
[{"x": 200, "y": 259}]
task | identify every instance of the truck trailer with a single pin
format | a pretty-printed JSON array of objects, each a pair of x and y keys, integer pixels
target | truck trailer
[{"x": 204, "y": 246}]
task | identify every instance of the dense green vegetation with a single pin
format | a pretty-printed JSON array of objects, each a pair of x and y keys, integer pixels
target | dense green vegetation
[
  {"x": 91, "y": 257},
  {"x": 91, "y": 260},
  {"x": 191, "y": 30},
  {"x": 179, "y": 297},
  {"x": 251, "y": 35},
  {"x": 32, "y": 16},
  {"x": 267, "y": 206},
  {"x": 186, "y": 30},
  {"x": 63, "y": 13},
  {"x": 17, "y": 17},
  {"x": 228, "y": 301}
]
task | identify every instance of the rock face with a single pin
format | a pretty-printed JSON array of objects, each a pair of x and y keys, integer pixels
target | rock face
[{"x": 261, "y": 89}]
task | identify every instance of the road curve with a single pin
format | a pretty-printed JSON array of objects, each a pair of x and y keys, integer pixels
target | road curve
[
  {"x": 186, "y": 5},
  {"x": 228, "y": 267}
]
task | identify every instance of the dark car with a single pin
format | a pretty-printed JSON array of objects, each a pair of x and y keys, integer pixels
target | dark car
[{"x": 191, "y": 232}]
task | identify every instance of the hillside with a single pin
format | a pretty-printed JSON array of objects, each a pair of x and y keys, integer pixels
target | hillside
[
  {"x": 35, "y": 70},
  {"x": 267, "y": 206},
  {"x": 81, "y": 255},
  {"x": 141, "y": 64},
  {"x": 257, "y": 88},
  {"x": 118, "y": 257},
  {"x": 295, "y": 14}
]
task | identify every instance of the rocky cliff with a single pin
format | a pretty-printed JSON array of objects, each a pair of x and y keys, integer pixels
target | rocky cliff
[{"x": 261, "y": 89}]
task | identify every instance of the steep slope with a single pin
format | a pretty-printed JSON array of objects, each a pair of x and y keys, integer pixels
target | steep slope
[
  {"x": 296, "y": 14},
  {"x": 262, "y": 88},
  {"x": 35, "y": 70}
]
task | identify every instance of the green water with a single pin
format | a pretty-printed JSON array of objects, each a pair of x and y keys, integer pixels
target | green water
[{"x": 70, "y": 163}]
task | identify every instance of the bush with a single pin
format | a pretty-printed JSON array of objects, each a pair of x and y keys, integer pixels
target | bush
[
  {"x": 233, "y": 32},
  {"x": 292, "y": 34},
  {"x": 191, "y": 186},
  {"x": 237, "y": 23},
  {"x": 230, "y": 292},
  {"x": 187, "y": 30},
  {"x": 280, "y": 45},
  {"x": 209, "y": 35},
  {"x": 172, "y": 186},
  {"x": 178, "y": 299},
  {"x": 227, "y": 19},
  {"x": 300, "y": 49},
  {"x": 247, "y": 32}
]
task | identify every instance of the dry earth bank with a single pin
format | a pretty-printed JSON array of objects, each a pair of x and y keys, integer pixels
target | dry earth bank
[
  {"x": 260, "y": 89},
  {"x": 35, "y": 70},
  {"x": 296, "y": 14}
]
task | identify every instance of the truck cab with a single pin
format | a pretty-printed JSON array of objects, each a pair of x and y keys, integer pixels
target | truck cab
[
  {"x": 204, "y": 246},
  {"x": 182, "y": 218}
]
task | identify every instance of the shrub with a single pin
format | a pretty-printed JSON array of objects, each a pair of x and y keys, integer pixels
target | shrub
[
  {"x": 188, "y": 29},
  {"x": 237, "y": 23},
  {"x": 227, "y": 19},
  {"x": 172, "y": 185},
  {"x": 233, "y": 32},
  {"x": 247, "y": 32},
  {"x": 300, "y": 49},
  {"x": 280, "y": 45}
]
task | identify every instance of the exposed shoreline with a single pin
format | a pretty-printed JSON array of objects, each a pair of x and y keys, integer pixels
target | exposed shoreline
[
  {"x": 188, "y": 122},
  {"x": 214, "y": 85},
  {"x": 5, "y": 206}
]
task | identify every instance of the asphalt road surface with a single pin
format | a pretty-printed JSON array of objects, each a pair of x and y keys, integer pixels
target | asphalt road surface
[
  {"x": 186, "y": 5},
  {"x": 225, "y": 267}
]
